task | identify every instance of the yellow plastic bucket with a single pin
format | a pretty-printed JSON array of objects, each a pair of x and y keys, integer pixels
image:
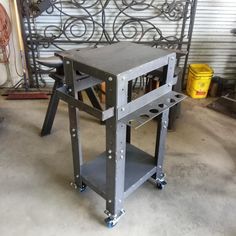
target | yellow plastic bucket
[{"x": 199, "y": 79}]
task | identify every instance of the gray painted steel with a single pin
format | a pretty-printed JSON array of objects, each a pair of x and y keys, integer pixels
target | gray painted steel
[
  {"x": 143, "y": 115},
  {"x": 122, "y": 168},
  {"x": 137, "y": 164},
  {"x": 62, "y": 93},
  {"x": 120, "y": 60}
]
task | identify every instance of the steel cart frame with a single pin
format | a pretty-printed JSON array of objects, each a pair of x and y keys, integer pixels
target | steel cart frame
[{"x": 122, "y": 168}]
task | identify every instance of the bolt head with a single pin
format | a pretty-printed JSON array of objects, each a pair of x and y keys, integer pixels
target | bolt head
[
  {"x": 122, "y": 109},
  {"x": 109, "y": 151},
  {"x": 74, "y": 135},
  {"x": 109, "y": 157},
  {"x": 67, "y": 62},
  {"x": 121, "y": 156},
  {"x": 110, "y": 78},
  {"x": 109, "y": 201}
]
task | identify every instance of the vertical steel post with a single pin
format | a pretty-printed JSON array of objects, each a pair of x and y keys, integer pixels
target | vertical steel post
[
  {"x": 70, "y": 74},
  {"x": 160, "y": 143},
  {"x": 185, "y": 18},
  {"x": 163, "y": 120},
  {"x": 116, "y": 96},
  {"x": 190, "y": 35},
  {"x": 128, "y": 133}
]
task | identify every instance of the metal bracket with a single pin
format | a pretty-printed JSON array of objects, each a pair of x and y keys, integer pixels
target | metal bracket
[
  {"x": 161, "y": 177},
  {"x": 142, "y": 101},
  {"x": 141, "y": 116},
  {"x": 112, "y": 220},
  {"x": 38, "y": 8},
  {"x": 63, "y": 94}
]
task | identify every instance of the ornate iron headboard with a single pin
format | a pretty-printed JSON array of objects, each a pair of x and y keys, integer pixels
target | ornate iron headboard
[{"x": 83, "y": 23}]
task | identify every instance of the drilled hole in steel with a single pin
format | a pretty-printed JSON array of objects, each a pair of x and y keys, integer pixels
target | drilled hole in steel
[
  {"x": 178, "y": 95},
  {"x": 162, "y": 105},
  {"x": 133, "y": 123},
  {"x": 144, "y": 116},
  {"x": 154, "y": 111},
  {"x": 171, "y": 100}
]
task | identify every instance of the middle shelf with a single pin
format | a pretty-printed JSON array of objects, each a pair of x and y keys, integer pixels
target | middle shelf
[{"x": 139, "y": 167}]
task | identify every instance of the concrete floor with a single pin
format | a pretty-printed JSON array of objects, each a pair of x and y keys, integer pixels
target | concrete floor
[{"x": 36, "y": 198}]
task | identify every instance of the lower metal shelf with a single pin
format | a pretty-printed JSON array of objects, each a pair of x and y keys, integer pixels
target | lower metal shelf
[{"x": 139, "y": 167}]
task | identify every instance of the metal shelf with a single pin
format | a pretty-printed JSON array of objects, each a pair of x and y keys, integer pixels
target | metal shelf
[
  {"x": 139, "y": 167},
  {"x": 122, "y": 168},
  {"x": 146, "y": 113}
]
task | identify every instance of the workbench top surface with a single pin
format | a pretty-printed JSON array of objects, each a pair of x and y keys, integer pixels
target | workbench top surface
[{"x": 118, "y": 58}]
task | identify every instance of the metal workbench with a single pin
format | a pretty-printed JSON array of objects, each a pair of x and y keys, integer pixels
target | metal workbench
[{"x": 122, "y": 167}]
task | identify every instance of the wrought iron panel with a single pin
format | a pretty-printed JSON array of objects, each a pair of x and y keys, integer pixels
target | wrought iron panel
[{"x": 86, "y": 23}]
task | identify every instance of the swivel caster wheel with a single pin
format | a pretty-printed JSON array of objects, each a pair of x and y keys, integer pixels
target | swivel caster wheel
[
  {"x": 83, "y": 188},
  {"x": 161, "y": 184},
  {"x": 110, "y": 223},
  {"x": 75, "y": 186}
]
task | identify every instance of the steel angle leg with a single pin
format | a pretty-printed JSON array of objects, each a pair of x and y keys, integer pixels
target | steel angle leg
[
  {"x": 115, "y": 171},
  {"x": 163, "y": 121},
  {"x": 76, "y": 147},
  {"x": 162, "y": 126},
  {"x": 51, "y": 110},
  {"x": 74, "y": 126},
  {"x": 130, "y": 88},
  {"x": 116, "y": 151}
]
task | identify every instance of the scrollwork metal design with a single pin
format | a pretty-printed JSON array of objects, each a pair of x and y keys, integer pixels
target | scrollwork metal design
[{"x": 96, "y": 22}]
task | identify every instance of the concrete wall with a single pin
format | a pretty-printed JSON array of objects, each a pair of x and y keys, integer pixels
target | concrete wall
[{"x": 14, "y": 56}]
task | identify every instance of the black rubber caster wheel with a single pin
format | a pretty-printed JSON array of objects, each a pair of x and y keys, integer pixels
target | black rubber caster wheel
[
  {"x": 161, "y": 184},
  {"x": 83, "y": 188},
  {"x": 110, "y": 223}
]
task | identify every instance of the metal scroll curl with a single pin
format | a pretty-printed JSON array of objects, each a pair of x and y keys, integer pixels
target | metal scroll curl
[
  {"x": 94, "y": 22},
  {"x": 83, "y": 26},
  {"x": 171, "y": 9},
  {"x": 128, "y": 24},
  {"x": 132, "y": 20}
]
